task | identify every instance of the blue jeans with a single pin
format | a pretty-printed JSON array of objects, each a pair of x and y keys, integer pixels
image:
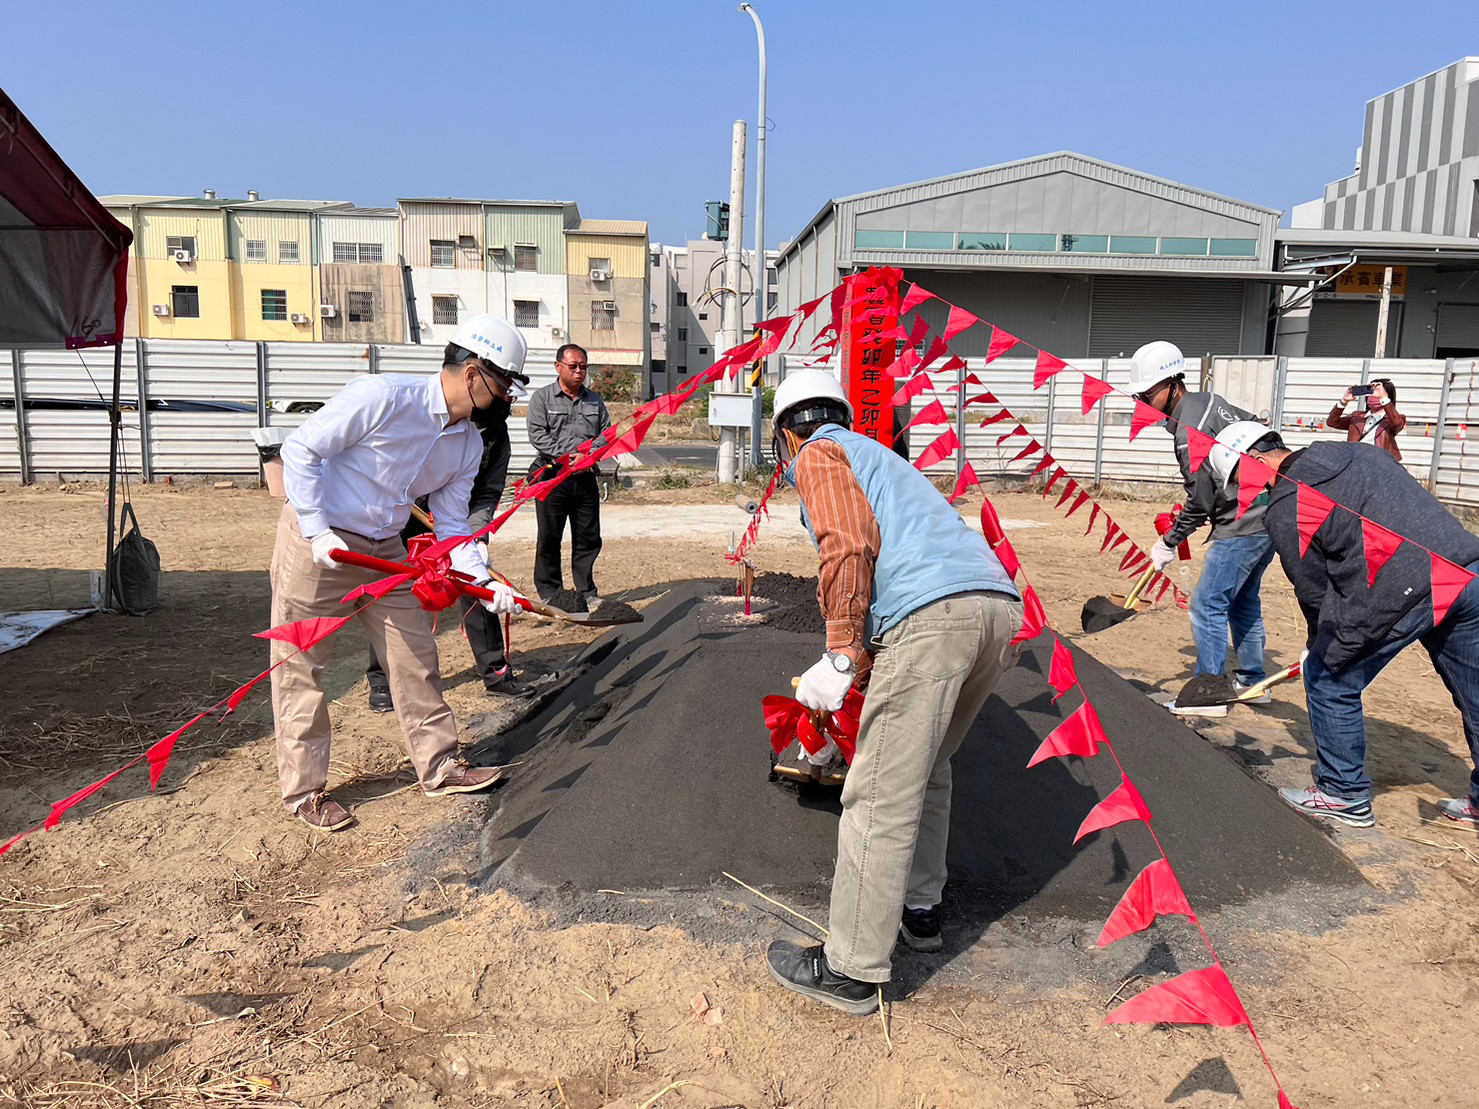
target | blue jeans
[
  {"x": 1334, "y": 699},
  {"x": 1226, "y": 597}
]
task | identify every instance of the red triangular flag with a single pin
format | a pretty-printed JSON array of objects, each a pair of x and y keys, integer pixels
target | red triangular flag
[
  {"x": 1006, "y": 554},
  {"x": 1110, "y": 532},
  {"x": 1078, "y": 502},
  {"x": 932, "y": 413},
  {"x": 942, "y": 448},
  {"x": 1095, "y": 390},
  {"x": 1284, "y": 1102},
  {"x": 1068, "y": 491},
  {"x": 1314, "y": 509},
  {"x": 1001, "y": 342},
  {"x": 1080, "y": 734},
  {"x": 905, "y": 364},
  {"x": 967, "y": 479},
  {"x": 1061, "y": 673},
  {"x": 1018, "y": 430},
  {"x": 809, "y": 307},
  {"x": 1093, "y": 518},
  {"x": 1145, "y": 416},
  {"x": 239, "y": 694},
  {"x": 160, "y": 752},
  {"x": 628, "y": 442},
  {"x": 58, "y": 808},
  {"x": 995, "y": 418},
  {"x": 959, "y": 320},
  {"x": 1047, "y": 366},
  {"x": 991, "y": 524},
  {"x": 1449, "y": 581},
  {"x": 970, "y": 379},
  {"x": 1125, "y": 803},
  {"x": 1196, "y": 997},
  {"x": 1034, "y": 618},
  {"x": 935, "y": 350},
  {"x": 916, "y": 296},
  {"x": 303, "y": 634},
  {"x": 377, "y": 589},
  {"x": 1253, "y": 477},
  {"x": 1154, "y": 891},
  {"x": 1031, "y": 448},
  {"x": 912, "y": 388},
  {"x": 1381, "y": 545},
  {"x": 1048, "y": 460},
  {"x": 1198, "y": 445}
]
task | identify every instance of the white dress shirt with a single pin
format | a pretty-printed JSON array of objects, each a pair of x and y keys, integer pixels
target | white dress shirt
[{"x": 360, "y": 462}]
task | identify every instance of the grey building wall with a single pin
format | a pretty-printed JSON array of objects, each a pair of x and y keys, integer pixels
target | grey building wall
[{"x": 383, "y": 283}]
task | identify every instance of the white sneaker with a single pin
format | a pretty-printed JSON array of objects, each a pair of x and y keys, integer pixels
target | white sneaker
[{"x": 1263, "y": 698}]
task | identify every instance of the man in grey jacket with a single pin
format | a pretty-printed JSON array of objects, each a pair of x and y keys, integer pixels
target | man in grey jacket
[
  {"x": 1358, "y": 622},
  {"x": 1227, "y": 595}
]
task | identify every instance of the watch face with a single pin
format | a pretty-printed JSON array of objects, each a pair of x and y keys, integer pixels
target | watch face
[{"x": 841, "y": 662}]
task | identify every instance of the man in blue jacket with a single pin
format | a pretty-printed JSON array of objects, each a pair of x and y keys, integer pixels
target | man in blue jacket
[
  {"x": 913, "y": 594},
  {"x": 1356, "y": 628}
]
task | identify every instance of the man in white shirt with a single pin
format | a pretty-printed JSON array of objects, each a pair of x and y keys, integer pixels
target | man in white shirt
[{"x": 352, "y": 472}]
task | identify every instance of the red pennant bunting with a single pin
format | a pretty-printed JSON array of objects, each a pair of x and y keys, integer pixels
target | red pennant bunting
[
  {"x": 942, "y": 448},
  {"x": 1198, "y": 445},
  {"x": 905, "y": 364},
  {"x": 1068, "y": 491},
  {"x": 1093, "y": 518},
  {"x": 1080, "y": 734},
  {"x": 1095, "y": 390},
  {"x": 303, "y": 634},
  {"x": 959, "y": 320},
  {"x": 807, "y": 735},
  {"x": 996, "y": 418},
  {"x": 1381, "y": 545},
  {"x": 1314, "y": 510},
  {"x": 239, "y": 694},
  {"x": 1132, "y": 560},
  {"x": 1154, "y": 891},
  {"x": 1253, "y": 477},
  {"x": 912, "y": 388},
  {"x": 1034, "y": 618},
  {"x": 1145, "y": 416},
  {"x": 1109, "y": 533},
  {"x": 936, "y": 349},
  {"x": 376, "y": 589},
  {"x": 809, "y": 307},
  {"x": 159, "y": 754},
  {"x": 1284, "y": 1102},
  {"x": 984, "y": 398},
  {"x": 932, "y": 413},
  {"x": 1125, "y": 803},
  {"x": 1048, "y": 460},
  {"x": 628, "y": 442},
  {"x": 1196, "y": 997},
  {"x": 916, "y": 296},
  {"x": 1122, "y": 537},
  {"x": 1062, "y": 674},
  {"x": 1018, "y": 430},
  {"x": 1006, "y": 554},
  {"x": 956, "y": 364},
  {"x": 59, "y": 808},
  {"x": 1078, "y": 502},
  {"x": 991, "y": 524},
  {"x": 1001, "y": 342},
  {"x": 1449, "y": 581},
  {"x": 1031, "y": 448},
  {"x": 967, "y": 479},
  {"x": 1047, "y": 366}
]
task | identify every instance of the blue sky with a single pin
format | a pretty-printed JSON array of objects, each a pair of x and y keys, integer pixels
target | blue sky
[{"x": 627, "y": 107}]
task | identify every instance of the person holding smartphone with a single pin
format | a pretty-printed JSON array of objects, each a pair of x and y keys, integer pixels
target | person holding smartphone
[{"x": 1375, "y": 419}]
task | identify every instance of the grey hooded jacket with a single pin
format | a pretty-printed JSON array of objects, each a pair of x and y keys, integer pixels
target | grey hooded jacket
[{"x": 1205, "y": 500}]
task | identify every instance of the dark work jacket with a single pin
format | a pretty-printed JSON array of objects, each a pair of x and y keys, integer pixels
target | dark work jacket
[
  {"x": 1206, "y": 499},
  {"x": 492, "y": 476},
  {"x": 1345, "y": 617}
]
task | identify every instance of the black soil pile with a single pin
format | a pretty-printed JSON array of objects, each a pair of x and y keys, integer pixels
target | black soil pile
[
  {"x": 567, "y": 600},
  {"x": 617, "y": 612},
  {"x": 795, "y": 598}
]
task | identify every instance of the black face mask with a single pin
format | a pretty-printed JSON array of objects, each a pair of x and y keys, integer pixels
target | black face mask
[{"x": 495, "y": 414}]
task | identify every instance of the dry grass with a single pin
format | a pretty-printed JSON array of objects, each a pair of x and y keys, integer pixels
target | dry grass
[{"x": 149, "y": 1090}]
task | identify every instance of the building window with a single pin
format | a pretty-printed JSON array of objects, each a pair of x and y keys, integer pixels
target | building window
[
  {"x": 256, "y": 250},
  {"x": 1187, "y": 248},
  {"x": 1132, "y": 244},
  {"x": 274, "y": 304},
  {"x": 364, "y": 253},
  {"x": 1086, "y": 244},
  {"x": 680, "y": 300},
  {"x": 682, "y": 334},
  {"x": 173, "y": 243},
  {"x": 526, "y": 258},
  {"x": 654, "y": 327},
  {"x": 371, "y": 254},
  {"x": 443, "y": 254},
  {"x": 185, "y": 300},
  {"x": 360, "y": 305},
  {"x": 878, "y": 240},
  {"x": 929, "y": 240},
  {"x": 682, "y": 369},
  {"x": 287, "y": 252},
  {"x": 444, "y": 310},
  {"x": 346, "y": 252},
  {"x": 526, "y": 313},
  {"x": 1234, "y": 248},
  {"x": 602, "y": 264},
  {"x": 702, "y": 351},
  {"x": 983, "y": 240},
  {"x": 656, "y": 261},
  {"x": 602, "y": 318},
  {"x": 772, "y": 278},
  {"x": 703, "y": 315},
  {"x": 1032, "y": 242}
]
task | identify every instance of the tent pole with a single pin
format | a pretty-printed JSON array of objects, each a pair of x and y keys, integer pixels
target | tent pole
[{"x": 114, "y": 421}]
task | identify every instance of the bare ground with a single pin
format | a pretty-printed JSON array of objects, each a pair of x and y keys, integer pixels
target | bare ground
[{"x": 196, "y": 947}]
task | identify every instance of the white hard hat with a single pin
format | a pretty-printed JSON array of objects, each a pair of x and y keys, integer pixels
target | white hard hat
[
  {"x": 1232, "y": 442},
  {"x": 808, "y": 385},
  {"x": 495, "y": 339},
  {"x": 1153, "y": 363}
]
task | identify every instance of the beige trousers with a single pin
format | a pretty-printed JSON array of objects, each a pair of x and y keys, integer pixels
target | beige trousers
[
  {"x": 929, "y": 681},
  {"x": 399, "y": 629}
]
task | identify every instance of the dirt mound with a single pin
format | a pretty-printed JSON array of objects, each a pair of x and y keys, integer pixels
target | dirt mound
[{"x": 796, "y": 602}]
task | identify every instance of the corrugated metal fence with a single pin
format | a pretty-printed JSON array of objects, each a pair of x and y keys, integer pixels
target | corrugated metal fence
[{"x": 61, "y": 428}]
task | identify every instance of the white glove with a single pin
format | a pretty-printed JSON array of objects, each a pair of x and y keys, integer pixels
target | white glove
[
  {"x": 822, "y": 757},
  {"x": 505, "y": 599},
  {"x": 1161, "y": 555},
  {"x": 322, "y": 544},
  {"x": 823, "y": 687}
]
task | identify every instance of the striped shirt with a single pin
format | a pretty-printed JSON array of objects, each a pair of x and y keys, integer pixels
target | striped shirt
[{"x": 848, "y": 540}]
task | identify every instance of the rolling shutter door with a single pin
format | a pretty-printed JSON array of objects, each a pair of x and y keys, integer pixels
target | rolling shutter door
[
  {"x": 1199, "y": 315},
  {"x": 1347, "y": 329},
  {"x": 1458, "y": 326}
]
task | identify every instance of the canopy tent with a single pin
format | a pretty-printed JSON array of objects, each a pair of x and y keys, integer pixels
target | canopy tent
[{"x": 63, "y": 265}]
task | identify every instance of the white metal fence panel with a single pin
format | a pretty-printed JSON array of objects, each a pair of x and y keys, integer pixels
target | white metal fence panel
[
  {"x": 70, "y": 441},
  {"x": 1456, "y": 476},
  {"x": 186, "y": 441},
  {"x": 11, "y": 417},
  {"x": 301, "y": 376}
]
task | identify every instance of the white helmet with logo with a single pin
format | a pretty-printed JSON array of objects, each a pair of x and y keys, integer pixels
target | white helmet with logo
[
  {"x": 818, "y": 387},
  {"x": 496, "y": 340},
  {"x": 1153, "y": 363},
  {"x": 1232, "y": 442}
]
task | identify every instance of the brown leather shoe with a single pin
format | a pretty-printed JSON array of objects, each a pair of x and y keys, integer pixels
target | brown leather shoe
[
  {"x": 465, "y": 778},
  {"x": 324, "y": 813}
]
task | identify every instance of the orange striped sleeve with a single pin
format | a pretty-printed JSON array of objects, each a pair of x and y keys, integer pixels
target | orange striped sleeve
[{"x": 847, "y": 540}]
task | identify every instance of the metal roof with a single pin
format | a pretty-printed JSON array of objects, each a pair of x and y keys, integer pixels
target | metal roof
[
  {"x": 609, "y": 227},
  {"x": 480, "y": 200},
  {"x": 1321, "y": 236}
]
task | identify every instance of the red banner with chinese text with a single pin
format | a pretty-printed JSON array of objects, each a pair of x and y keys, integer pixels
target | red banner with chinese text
[{"x": 871, "y": 310}]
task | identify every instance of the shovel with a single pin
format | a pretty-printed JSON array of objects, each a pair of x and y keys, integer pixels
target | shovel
[
  {"x": 1258, "y": 689},
  {"x": 598, "y": 619},
  {"x": 1102, "y": 612}
]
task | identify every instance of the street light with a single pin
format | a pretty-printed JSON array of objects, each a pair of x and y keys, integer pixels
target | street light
[{"x": 762, "y": 276}]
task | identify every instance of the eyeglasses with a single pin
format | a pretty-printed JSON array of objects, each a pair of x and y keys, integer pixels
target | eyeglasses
[{"x": 575, "y": 365}]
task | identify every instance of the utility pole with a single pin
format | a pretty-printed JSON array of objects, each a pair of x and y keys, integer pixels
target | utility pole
[
  {"x": 762, "y": 274},
  {"x": 733, "y": 317},
  {"x": 1382, "y": 313}
]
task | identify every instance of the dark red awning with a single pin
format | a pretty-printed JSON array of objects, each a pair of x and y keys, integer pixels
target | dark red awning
[{"x": 63, "y": 257}]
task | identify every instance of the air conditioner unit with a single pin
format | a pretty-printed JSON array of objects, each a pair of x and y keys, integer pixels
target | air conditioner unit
[
  {"x": 299, "y": 317},
  {"x": 609, "y": 305},
  {"x": 327, "y": 311},
  {"x": 497, "y": 251},
  {"x": 557, "y": 332},
  {"x": 182, "y": 256},
  {"x": 600, "y": 275},
  {"x": 161, "y": 309}
]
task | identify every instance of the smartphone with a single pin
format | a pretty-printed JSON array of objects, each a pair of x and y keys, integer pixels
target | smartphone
[{"x": 1362, "y": 390}]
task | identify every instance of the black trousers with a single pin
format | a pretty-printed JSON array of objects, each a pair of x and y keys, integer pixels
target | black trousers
[
  {"x": 484, "y": 636},
  {"x": 577, "y": 499}
]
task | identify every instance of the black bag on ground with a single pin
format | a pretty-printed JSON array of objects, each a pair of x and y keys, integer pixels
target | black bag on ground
[{"x": 134, "y": 568}]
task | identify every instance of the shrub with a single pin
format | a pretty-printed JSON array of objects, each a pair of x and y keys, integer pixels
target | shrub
[{"x": 614, "y": 383}]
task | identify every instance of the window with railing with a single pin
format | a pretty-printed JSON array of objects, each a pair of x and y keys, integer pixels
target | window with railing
[
  {"x": 274, "y": 304},
  {"x": 359, "y": 304}
]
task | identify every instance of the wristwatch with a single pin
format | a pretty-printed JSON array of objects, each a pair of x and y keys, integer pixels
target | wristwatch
[{"x": 842, "y": 663}]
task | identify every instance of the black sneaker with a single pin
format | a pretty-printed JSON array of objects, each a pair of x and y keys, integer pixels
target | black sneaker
[
  {"x": 503, "y": 681},
  {"x": 920, "y": 929},
  {"x": 804, "y": 970},
  {"x": 380, "y": 699}
]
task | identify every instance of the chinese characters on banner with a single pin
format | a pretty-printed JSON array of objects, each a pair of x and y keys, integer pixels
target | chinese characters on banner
[
  {"x": 872, "y": 312},
  {"x": 1363, "y": 283}
]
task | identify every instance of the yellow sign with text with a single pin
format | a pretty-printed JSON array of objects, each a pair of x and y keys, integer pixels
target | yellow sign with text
[{"x": 1364, "y": 282}]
